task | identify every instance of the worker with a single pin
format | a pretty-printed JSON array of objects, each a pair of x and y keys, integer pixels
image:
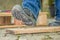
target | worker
[{"x": 29, "y": 11}]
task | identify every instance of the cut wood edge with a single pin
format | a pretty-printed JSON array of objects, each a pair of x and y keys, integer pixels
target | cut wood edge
[
  {"x": 33, "y": 30},
  {"x": 11, "y": 26},
  {"x": 42, "y": 19},
  {"x": 5, "y": 14}
]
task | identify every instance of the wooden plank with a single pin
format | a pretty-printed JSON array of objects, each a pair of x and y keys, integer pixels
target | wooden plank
[
  {"x": 1, "y": 20},
  {"x": 7, "y": 20},
  {"x": 33, "y": 30},
  {"x": 5, "y": 14},
  {"x": 11, "y": 26},
  {"x": 42, "y": 19},
  {"x": 45, "y": 5}
]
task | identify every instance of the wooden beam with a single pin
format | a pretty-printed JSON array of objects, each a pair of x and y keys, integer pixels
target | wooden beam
[
  {"x": 33, "y": 30},
  {"x": 11, "y": 26},
  {"x": 42, "y": 19},
  {"x": 5, "y": 14}
]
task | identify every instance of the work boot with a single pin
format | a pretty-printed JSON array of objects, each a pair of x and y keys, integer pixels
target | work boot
[
  {"x": 23, "y": 14},
  {"x": 56, "y": 23}
]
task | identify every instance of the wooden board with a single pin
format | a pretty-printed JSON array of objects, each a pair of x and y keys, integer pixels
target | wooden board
[
  {"x": 33, "y": 30},
  {"x": 5, "y": 14},
  {"x": 7, "y": 20},
  {"x": 11, "y": 26},
  {"x": 1, "y": 20},
  {"x": 42, "y": 19}
]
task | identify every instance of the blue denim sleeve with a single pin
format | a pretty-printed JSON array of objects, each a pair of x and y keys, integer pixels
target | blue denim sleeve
[{"x": 32, "y": 5}]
